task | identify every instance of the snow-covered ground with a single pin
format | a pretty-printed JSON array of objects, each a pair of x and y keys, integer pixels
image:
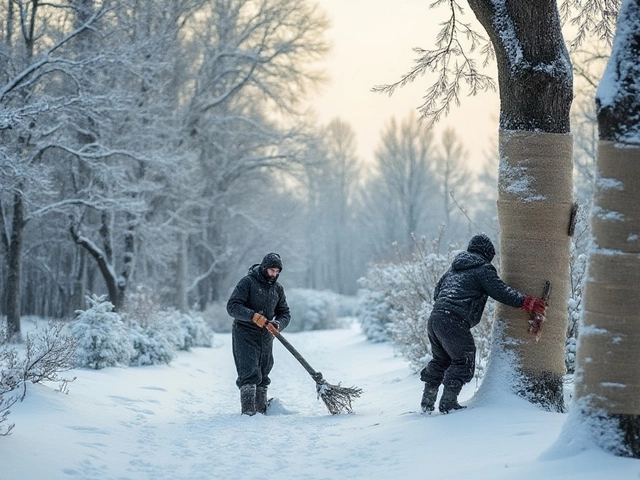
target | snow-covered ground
[{"x": 182, "y": 421}]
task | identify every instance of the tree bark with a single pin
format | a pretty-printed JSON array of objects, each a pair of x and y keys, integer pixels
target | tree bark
[
  {"x": 608, "y": 362},
  {"x": 535, "y": 192},
  {"x": 534, "y": 69},
  {"x": 183, "y": 274},
  {"x": 14, "y": 274},
  {"x": 114, "y": 289}
]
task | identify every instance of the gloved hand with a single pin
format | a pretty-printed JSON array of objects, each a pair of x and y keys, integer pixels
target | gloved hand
[
  {"x": 259, "y": 319},
  {"x": 534, "y": 305},
  {"x": 273, "y": 326}
]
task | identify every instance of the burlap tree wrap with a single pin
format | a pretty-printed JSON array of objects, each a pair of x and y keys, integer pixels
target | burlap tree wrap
[
  {"x": 535, "y": 196},
  {"x": 608, "y": 369}
]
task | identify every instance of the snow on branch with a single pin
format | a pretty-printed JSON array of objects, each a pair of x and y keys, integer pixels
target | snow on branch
[
  {"x": 49, "y": 351},
  {"x": 46, "y": 58}
]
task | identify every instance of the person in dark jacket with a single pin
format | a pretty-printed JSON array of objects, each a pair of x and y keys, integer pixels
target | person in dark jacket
[
  {"x": 259, "y": 307},
  {"x": 459, "y": 300}
]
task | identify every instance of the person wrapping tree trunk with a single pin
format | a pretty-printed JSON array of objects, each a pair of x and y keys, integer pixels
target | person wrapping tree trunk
[{"x": 459, "y": 299}]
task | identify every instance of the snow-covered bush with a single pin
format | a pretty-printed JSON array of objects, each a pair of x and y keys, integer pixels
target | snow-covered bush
[
  {"x": 144, "y": 335},
  {"x": 166, "y": 333},
  {"x": 196, "y": 331},
  {"x": 102, "y": 335},
  {"x": 151, "y": 346},
  {"x": 216, "y": 316},
  {"x": 141, "y": 305},
  {"x": 312, "y": 309},
  {"x": 406, "y": 289},
  {"x": 347, "y": 305},
  {"x": 157, "y": 334},
  {"x": 46, "y": 353},
  {"x": 374, "y": 313}
]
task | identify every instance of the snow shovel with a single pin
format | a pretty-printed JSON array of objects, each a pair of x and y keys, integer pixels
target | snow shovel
[{"x": 336, "y": 398}]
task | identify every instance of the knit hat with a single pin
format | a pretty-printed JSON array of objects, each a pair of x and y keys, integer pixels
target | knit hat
[
  {"x": 271, "y": 260},
  {"x": 482, "y": 245}
]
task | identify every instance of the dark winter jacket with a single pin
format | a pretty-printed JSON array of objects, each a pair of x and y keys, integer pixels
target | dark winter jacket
[
  {"x": 255, "y": 293},
  {"x": 464, "y": 288}
]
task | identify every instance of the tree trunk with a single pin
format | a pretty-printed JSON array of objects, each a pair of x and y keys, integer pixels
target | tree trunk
[
  {"x": 608, "y": 362},
  {"x": 535, "y": 192},
  {"x": 78, "y": 289},
  {"x": 534, "y": 210},
  {"x": 14, "y": 273},
  {"x": 115, "y": 289},
  {"x": 183, "y": 274}
]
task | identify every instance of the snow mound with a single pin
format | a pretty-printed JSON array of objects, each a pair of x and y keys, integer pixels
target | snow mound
[{"x": 277, "y": 407}]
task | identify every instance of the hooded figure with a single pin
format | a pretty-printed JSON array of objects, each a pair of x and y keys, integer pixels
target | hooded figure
[
  {"x": 459, "y": 300},
  {"x": 258, "y": 305}
]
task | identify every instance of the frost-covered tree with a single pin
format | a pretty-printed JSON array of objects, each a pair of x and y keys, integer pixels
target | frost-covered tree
[
  {"x": 132, "y": 174},
  {"x": 607, "y": 381},
  {"x": 535, "y": 192},
  {"x": 401, "y": 186},
  {"x": 535, "y": 185},
  {"x": 37, "y": 62},
  {"x": 332, "y": 179},
  {"x": 453, "y": 180},
  {"x": 254, "y": 66}
]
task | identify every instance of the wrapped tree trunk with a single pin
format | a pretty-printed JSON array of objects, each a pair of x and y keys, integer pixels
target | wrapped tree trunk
[
  {"x": 535, "y": 190},
  {"x": 608, "y": 355},
  {"x": 534, "y": 208}
]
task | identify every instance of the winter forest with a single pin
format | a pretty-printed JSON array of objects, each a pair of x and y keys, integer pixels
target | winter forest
[{"x": 151, "y": 151}]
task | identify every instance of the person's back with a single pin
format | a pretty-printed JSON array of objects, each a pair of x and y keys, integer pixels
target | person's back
[
  {"x": 464, "y": 288},
  {"x": 459, "y": 300}
]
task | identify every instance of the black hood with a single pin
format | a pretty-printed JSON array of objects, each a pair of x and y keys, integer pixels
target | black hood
[
  {"x": 482, "y": 245},
  {"x": 467, "y": 260}
]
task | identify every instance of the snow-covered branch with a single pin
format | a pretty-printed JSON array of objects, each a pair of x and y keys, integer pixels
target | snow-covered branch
[{"x": 46, "y": 57}]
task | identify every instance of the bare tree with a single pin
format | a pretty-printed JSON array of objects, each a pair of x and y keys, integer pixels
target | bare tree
[
  {"x": 36, "y": 62},
  {"x": 402, "y": 186},
  {"x": 254, "y": 67},
  {"x": 454, "y": 181},
  {"x": 332, "y": 182}
]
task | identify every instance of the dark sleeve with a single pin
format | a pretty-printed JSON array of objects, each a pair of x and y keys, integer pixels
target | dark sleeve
[
  {"x": 283, "y": 316},
  {"x": 497, "y": 289},
  {"x": 238, "y": 301}
]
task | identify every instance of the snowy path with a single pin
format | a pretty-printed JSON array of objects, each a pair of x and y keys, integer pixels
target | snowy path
[{"x": 182, "y": 422}]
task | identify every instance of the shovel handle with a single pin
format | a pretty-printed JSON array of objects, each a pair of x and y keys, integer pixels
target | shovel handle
[{"x": 297, "y": 356}]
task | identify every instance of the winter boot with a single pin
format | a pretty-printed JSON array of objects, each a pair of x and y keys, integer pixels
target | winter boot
[
  {"x": 248, "y": 399},
  {"x": 449, "y": 401},
  {"x": 429, "y": 398},
  {"x": 261, "y": 400}
]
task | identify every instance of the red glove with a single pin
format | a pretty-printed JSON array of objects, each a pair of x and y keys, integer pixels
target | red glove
[
  {"x": 259, "y": 319},
  {"x": 534, "y": 305}
]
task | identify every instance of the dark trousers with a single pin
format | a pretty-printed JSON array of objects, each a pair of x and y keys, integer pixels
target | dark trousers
[
  {"x": 252, "y": 354},
  {"x": 453, "y": 349}
]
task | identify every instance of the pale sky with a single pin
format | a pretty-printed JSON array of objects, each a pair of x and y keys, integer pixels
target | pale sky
[{"x": 372, "y": 45}]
